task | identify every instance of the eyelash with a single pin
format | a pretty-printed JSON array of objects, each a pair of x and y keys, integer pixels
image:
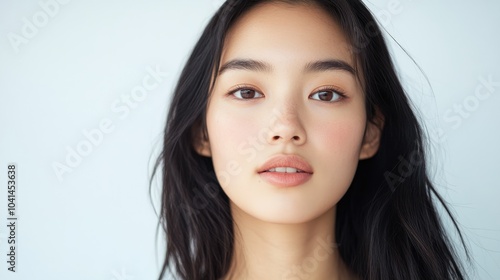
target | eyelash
[{"x": 326, "y": 88}]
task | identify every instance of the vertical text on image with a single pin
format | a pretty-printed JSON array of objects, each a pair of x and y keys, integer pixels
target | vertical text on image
[{"x": 12, "y": 219}]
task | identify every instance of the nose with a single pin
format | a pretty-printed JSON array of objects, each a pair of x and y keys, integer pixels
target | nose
[{"x": 286, "y": 126}]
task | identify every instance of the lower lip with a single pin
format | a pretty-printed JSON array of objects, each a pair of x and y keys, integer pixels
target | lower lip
[{"x": 282, "y": 179}]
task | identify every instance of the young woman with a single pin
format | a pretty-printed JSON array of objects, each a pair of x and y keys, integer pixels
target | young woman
[{"x": 291, "y": 152}]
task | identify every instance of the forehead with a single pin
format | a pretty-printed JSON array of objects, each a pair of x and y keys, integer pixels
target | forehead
[{"x": 283, "y": 34}]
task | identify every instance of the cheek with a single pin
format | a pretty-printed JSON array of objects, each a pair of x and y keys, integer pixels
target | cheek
[
  {"x": 229, "y": 129},
  {"x": 340, "y": 132},
  {"x": 230, "y": 136},
  {"x": 337, "y": 147},
  {"x": 343, "y": 138}
]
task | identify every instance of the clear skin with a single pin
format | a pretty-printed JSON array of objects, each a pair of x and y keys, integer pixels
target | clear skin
[{"x": 278, "y": 231}]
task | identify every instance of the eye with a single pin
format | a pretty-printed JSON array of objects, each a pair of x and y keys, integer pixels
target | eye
[
  {"x": 246, "y": 93},
  {"x": 328, "y": 95}
]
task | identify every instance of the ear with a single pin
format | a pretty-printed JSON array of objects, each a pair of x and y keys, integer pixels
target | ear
[
  {"x": 201, "y": 142},
  {"x": 371, "y": 140}
]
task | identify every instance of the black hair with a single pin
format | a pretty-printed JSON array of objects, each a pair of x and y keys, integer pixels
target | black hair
[{"x": 387, "y": 224}]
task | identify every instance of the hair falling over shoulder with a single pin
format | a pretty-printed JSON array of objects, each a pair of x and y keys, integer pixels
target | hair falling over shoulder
[{"x": 387, "y": 224}]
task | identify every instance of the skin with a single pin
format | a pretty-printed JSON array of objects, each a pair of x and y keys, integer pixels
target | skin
[{"x": 280, "y": 233}]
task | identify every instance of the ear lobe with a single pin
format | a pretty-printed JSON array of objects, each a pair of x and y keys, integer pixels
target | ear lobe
[
  {"x": 202, "y": 147},
  {"x": 201, "y": 143},
  {"x": 371, "y": 140}
]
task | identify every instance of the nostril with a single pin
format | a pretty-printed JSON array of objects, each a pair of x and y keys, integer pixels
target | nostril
[{"x": 277, "y": 137}]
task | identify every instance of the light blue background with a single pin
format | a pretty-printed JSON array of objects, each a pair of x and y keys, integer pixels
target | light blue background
[{"x": 98, "y": 222}]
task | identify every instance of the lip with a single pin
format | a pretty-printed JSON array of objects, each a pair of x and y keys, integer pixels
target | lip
[{"x": 286, "y": 179}]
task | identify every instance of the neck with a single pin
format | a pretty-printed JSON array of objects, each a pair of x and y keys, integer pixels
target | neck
[{"x": 264, "y": 250}]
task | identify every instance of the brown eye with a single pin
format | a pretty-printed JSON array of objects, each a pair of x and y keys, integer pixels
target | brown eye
[
  {"x": 246, "y": 93},
  {"x": 327, "y": 95}
]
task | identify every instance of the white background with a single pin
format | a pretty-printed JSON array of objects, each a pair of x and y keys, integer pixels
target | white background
[{"x": 97, "y": 221}]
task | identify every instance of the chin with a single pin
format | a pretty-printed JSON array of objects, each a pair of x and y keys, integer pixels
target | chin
[{"x": 284, "y": 212}]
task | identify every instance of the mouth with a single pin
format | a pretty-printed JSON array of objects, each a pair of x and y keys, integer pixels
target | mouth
[
  {"x": 286, "y": 164},
  {"x": 286, "y": 171}
]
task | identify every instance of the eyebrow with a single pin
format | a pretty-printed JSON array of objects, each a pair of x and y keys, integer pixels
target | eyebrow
[{"x": 314, "y": 66}]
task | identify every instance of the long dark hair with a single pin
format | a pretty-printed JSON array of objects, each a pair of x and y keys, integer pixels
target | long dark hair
[{"x": 387, "y": 224}]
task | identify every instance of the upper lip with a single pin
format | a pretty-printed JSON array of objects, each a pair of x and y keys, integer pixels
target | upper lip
[{"x": 293, "y": 161}]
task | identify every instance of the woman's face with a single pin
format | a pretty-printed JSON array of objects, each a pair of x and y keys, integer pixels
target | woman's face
[{"x": 287, "y": 87}]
